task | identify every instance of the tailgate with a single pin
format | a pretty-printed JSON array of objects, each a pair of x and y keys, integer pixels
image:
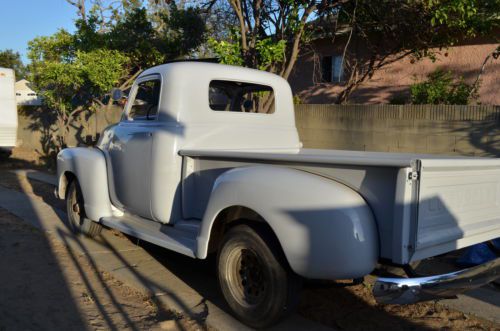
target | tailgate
[{"x": 458, "y": 204}]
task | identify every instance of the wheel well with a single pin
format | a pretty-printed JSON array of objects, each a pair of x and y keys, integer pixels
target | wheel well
[
  {"x": 231, "y": 217},
  {"x": 66, "y": 179}
]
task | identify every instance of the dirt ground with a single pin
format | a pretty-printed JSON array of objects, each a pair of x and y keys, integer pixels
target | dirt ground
[
  {"x": 46, "y": 286},
  {"x": 354, "y": 308}
]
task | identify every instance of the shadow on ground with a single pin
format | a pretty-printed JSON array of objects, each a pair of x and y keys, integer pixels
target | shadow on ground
[{"x": 48, "y": 300}]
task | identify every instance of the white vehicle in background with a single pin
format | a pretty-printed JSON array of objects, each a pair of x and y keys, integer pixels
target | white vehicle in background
[{"x": 8, "y": 110}]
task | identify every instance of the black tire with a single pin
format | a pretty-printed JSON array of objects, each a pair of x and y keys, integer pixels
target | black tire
[
  {"x": 78, "y": 221},
  {"x": 255, "y": 279}
]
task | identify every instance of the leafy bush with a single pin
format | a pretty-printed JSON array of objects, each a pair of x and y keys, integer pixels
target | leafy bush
[
  {"x": 442, "y": 87},
  {"x": 297, "y": 100}
]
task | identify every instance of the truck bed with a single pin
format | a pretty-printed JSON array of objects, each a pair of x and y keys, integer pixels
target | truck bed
[
  {"x": 424, "y": 205},
  {"x": 324, "y": 156}
]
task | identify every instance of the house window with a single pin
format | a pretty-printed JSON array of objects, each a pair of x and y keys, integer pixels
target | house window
[{"x": 332, "y": 69}]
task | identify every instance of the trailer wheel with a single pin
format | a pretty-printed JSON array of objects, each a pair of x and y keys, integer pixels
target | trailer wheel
[
  {"x": 254, "y": 277},
  {"x": 78, "y": 221}
]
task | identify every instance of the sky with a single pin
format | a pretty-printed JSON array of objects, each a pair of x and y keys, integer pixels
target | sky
[{"x": 23, "y": 20}]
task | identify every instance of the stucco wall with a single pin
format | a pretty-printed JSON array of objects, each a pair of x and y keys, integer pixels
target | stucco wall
[
  {"x": 395, "y": 79},
  {"x": 463, "y": 130}
]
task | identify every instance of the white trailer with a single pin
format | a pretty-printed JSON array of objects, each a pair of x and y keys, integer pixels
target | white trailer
[{"x": 8, "y": 109}]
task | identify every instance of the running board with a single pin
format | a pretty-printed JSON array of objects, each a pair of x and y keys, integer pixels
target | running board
[{"x": 180, "y": 238}]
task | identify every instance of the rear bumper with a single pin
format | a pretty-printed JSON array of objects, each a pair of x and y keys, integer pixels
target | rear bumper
[{"x": 411, "y": 290}]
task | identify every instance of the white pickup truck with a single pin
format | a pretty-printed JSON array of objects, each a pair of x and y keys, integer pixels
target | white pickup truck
[{"x": 207, "y": 159}]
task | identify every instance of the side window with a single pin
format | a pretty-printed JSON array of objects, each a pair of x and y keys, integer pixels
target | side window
[
  {"x": 146, "y": 101},
  {"x": 240, "y": 97}
]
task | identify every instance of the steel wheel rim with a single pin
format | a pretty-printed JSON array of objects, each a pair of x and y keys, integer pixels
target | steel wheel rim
[{"x": 248, "y": 282}]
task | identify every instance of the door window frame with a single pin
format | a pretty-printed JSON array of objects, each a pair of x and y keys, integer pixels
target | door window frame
[{"x": 133, "y": 94}]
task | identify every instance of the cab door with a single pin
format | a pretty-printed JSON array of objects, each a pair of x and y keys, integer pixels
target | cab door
[{"x": 129, "y": 150}]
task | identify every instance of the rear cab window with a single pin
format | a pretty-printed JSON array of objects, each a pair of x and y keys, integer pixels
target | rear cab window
[{"x": 241, "y": 97}]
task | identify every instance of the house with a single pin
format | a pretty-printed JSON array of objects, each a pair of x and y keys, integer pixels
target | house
[
  {"x": 25, "y": 96},
  {"x": 320, "y": 75}
]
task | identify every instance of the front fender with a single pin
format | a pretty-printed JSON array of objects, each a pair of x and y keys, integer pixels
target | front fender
[
  {"x": 326, "y": 229},
  {"x": 88, "y": 165}
]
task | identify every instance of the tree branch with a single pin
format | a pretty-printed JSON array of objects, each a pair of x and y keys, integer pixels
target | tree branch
[
  {"x": 236, "y": 4},
  {"x": 296, "y": 40}
]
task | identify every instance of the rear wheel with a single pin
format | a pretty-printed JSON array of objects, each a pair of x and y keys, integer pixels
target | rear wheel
[
  {"x": 78, "y": 221},
  {"x": 254, "y": 277}
]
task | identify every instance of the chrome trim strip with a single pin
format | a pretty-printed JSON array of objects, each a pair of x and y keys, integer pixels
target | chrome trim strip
[{"x": 412, "y": 290}]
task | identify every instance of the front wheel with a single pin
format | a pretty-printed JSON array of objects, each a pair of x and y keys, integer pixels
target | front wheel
[
  {"x": 254, "y": 277},
  {"x": 78, "y": 221}
]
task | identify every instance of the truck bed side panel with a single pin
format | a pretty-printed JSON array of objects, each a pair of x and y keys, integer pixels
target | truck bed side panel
[{"x": 376, "y": 184}]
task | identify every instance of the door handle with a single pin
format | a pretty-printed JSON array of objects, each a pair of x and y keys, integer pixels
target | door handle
[{"x": 138, "y": 134}]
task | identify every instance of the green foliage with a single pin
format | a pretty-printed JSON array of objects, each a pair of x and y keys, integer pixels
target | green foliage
[
  {"x": 183, "y": 31},
  {"x": 58, "y": 47},
  {"x": 146, "y": 43},
  {"x": 441, "y": 87},
  {"x": 452, "y": 12},
  {"x": 75, "y": 72},
  {"x": 267, "y": 39},
  {"x": 134, "y": 35},
  {"x": 12, "y": 60},
  {"x": 71, "y": 80},
  {"x": 470, "y": 17},
  {"x": 297, "y": 100},
  {"x": 270, "y": 52},
  {"x": 60, "y": 72},
  {"x": 102, "y": 69},
  {"x": 228, "y": 52}
]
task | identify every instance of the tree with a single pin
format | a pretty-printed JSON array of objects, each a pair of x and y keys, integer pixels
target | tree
[
  {"x": 270, "y": 34},
  {"x": 74, "y": 73},
  {"x": 71, "y": 81},
  {"x": 145, "y": 43},
  {"x": 11, "y": 59}
]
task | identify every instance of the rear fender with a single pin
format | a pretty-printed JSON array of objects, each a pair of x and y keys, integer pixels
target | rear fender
[
  {"x": 326, "y": 229},
  {"x": 88, "y": 165}
]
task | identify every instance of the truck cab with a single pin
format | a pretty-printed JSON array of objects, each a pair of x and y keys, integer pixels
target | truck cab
[{"x": 184, "y": 106}]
